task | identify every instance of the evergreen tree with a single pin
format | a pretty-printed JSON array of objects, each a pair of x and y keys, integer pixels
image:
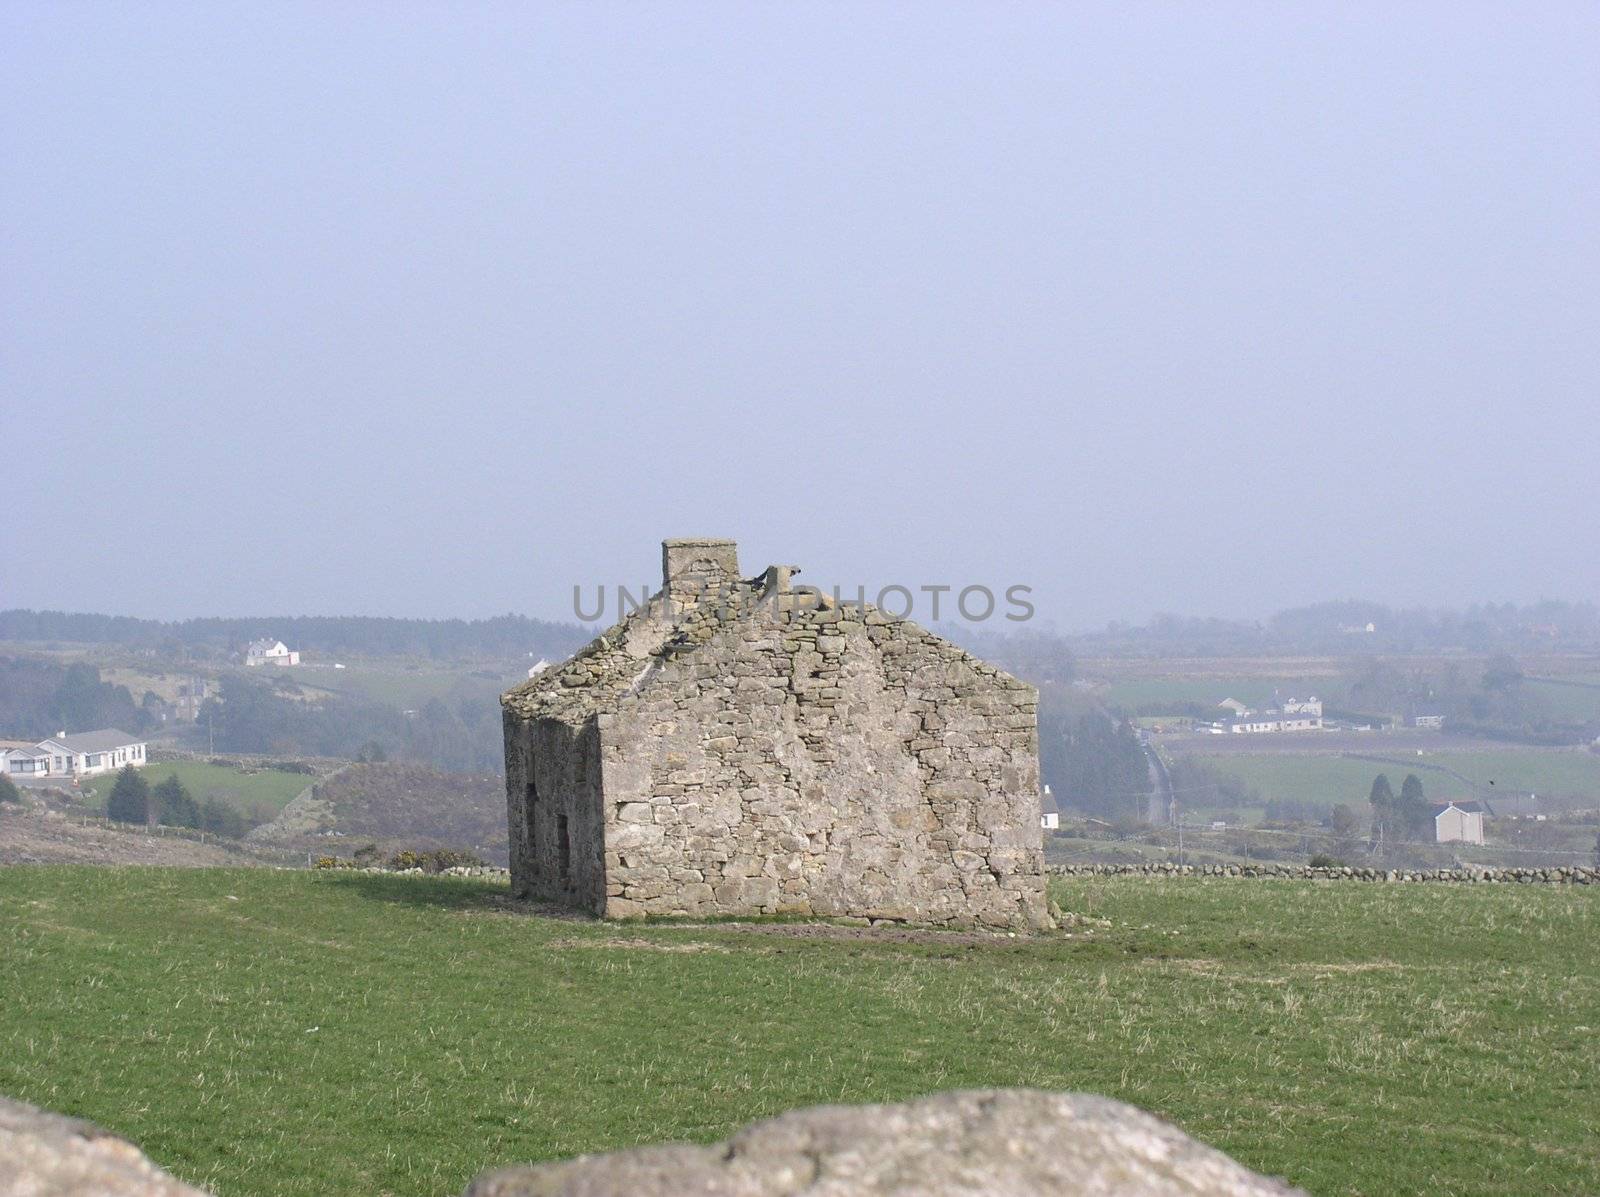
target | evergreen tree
[
  {"x": 1412, "y": 811},
  {"x": 1382, "y": 800},
  {"x": 8, "y": 790},
  {"x": 130, "y": 797},
  {"x": 174, "y": 806}
]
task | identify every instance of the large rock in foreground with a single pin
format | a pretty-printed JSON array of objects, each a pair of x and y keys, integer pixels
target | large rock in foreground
[
  {"x": 1011, "y": 1142},
  {"x": 47, "y": 1155}
]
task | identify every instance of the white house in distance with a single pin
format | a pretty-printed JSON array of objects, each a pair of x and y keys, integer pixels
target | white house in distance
[
  {"x": 82, "y": 754},
  {"x": 1458, "y": 822},
  {"x": 1274, "y": 721},
  {"x": 270, "y": 652},
  {"x": 1049, "y": 812},
  {"x": 1302, "y": 706}
]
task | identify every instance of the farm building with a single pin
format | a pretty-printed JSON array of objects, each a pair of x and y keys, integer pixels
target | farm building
[
  {"x": 744, "y": 746},
  {"x": 1302, "y": 706},
  {"x": 1458, "y": 822},
  {"x": 269, "y": 652}
]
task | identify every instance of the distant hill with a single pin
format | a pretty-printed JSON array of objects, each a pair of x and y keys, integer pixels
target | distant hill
[
  {"x": 1359, "y": 628},
  {"x": 395, "y": 806},
  {"x": 444, "y": 639}
]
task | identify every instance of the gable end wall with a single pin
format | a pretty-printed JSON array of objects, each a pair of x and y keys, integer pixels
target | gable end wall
[{"x": 839, "y": 764}]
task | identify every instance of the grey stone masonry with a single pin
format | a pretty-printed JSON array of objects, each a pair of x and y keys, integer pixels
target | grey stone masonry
[{"x": 742, "y": 747}]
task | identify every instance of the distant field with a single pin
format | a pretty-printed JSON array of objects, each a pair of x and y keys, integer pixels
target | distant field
[
  {"x": 267, "y": 1032},
  {"x": 240, "y": 790},
  {"x": 1256, "y": 683},
  {"x": 1329, "y": 780},
  {"x": 1567, "y": 704},
  {"x": 401, "y": 687},
  {"x": 1135, "y": 692}
]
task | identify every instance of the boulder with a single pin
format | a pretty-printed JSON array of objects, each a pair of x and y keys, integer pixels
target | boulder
[
  {"x": 47, "y": 1155},
  {"x": 1007, "y": 1142}
]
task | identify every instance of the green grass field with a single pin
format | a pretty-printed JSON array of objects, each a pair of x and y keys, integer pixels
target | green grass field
[
  {"x": 304, "y": 1033},
  {"x": 1329, "y": 780},
  {"x": 267, "y": 787}
]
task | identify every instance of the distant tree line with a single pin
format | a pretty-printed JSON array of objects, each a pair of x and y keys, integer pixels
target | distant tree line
[
  {"x": 218, "y": 639},
  {"x": 1341, "y": 627},
  {"x": 1492, "y": 700},
  {"x": 1197, "y": 783},
  {"x": 40, "y": 698},
  {"x": 1093, "y": 762},
  {"x": 1037, "y": 657},
  {"x": 461, "y": 735}
]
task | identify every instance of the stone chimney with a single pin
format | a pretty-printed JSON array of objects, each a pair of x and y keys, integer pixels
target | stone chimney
[{"x": 696, "y": 567}]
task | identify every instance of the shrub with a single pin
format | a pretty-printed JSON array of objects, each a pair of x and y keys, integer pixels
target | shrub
[
  {"x": 435, "y": 861},
  {"x": 1323, "y": 861},
  {"x": 221, "y": 819},
  {"x": 429, "y": 860},
  {"x": 8, "y": 790}
]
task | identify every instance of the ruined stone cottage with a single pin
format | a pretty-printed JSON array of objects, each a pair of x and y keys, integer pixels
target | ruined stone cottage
[{"x": 743, "y": 746}]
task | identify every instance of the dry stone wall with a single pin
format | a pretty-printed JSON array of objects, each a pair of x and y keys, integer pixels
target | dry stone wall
[{"x": 1561, "y": 875}]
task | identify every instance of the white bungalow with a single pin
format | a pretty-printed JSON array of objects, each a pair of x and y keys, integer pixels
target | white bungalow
[
  {"x": 82, "y": 754},
  {"x": 1274, "y": 721},
  {"x": 1049, "y": 812}
]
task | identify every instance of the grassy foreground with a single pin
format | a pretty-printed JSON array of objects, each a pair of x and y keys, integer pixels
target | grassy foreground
[{"x": 303, "y": 1033}]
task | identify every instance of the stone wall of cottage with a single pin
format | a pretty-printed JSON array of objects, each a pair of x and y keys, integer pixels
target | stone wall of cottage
[
  {"x": 554, "y": 811},
  {"x": 828, "y": 761}
]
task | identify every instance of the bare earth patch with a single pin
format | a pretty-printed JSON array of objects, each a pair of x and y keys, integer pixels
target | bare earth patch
[
  {"x": 842, "y": 933},
  {"x": 33, "y": 837},
  {"x": 643, "y": 945}
]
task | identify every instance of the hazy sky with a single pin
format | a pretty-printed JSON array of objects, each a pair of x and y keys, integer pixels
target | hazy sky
[{"x": 438, "y": 310}]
